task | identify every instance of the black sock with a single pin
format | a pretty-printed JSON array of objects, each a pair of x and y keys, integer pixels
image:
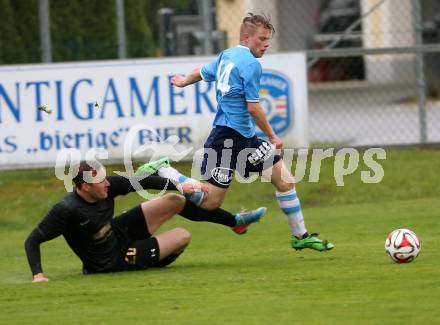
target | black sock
[{"x": 194, "y": 213}]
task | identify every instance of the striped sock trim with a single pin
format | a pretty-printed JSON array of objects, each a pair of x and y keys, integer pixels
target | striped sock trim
[
  {"x": 292, "y": 209},
  {"x": 290, "y": 205},
  {"x": 286, "y": 196}
]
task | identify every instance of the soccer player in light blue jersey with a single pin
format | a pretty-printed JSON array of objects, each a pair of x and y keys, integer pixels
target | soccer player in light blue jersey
[{"x": 232, "y": 145}]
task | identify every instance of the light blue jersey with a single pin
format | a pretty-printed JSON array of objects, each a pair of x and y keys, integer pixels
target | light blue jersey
[{"x": 237, "y": 75}]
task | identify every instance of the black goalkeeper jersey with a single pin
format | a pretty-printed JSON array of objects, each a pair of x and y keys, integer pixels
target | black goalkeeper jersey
[{"x": 87, "y": 227}]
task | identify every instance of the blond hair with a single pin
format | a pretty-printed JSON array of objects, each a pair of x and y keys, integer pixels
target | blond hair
[{"x": 251, "y": 22}]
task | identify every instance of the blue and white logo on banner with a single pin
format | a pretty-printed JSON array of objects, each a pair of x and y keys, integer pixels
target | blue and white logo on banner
[{"x": 276, "y": 100}]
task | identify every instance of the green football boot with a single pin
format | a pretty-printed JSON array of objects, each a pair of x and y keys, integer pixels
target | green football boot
[
  {"x": 312, "y": 241},
  {"x": 152, "y": 167}
]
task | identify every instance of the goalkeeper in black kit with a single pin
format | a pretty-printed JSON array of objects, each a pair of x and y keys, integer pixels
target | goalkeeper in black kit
[{"x": 105, "y": 243}]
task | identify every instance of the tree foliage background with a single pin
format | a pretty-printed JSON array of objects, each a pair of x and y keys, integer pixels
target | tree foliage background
[{"x": 81, "y": 29}]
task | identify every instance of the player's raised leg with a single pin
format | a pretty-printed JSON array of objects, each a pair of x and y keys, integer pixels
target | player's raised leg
[
  {"x": 163, "y": 168},
  {"x": 210, "y": 199},
  {"x": 157, "y": 212},
  {"x": 207, "y": 205},
  {"x": 239, "y": 222},
  {"x": 289, "y": 203}
]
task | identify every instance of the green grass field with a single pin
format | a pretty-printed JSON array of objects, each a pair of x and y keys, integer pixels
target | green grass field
[{"x": 251, "y": 279}]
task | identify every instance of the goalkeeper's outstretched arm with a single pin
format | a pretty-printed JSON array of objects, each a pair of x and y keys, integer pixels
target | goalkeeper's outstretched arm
[
  {"x": 32, "y": 248},
  {"x": 53, "y": 225}
]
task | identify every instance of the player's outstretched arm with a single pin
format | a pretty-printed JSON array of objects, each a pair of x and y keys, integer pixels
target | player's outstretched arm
[
  {"x": 32, "y": 248},
  {"x": 183, "y": 81},
  {"x": 54, "y": 224}
]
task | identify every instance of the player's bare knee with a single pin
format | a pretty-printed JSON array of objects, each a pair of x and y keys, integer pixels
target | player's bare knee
[
  {"x": 184, "y": 237},
  {"x": 175, "y": 199}
]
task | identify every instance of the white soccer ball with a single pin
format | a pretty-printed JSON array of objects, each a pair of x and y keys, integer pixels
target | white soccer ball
[{"x": 402, "y": 245}]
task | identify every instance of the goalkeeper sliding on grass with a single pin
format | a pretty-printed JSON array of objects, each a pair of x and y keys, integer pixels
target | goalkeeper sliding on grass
[
  {"x": 232, "y": 144},
  {"x": 108, "y": 244}
]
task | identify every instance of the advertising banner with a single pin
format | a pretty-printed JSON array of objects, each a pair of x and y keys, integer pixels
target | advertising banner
[{"x": 48, "y": 108}]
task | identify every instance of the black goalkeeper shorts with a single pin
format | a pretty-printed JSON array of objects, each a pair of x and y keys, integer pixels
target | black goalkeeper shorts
[{"x": 143, "y": 249}]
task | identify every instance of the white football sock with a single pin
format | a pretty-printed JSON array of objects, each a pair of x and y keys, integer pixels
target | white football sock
[
  {"x": 173, "y": 174},
  {"x": 291, "y": 207}
]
